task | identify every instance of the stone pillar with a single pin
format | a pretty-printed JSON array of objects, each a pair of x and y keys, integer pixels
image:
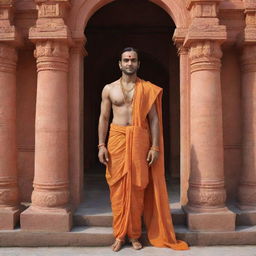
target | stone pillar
[
  {"x": 9, "y": 195},
  {"x": 178, "y": 38},
  {"x": 76, "y": 120},
  {"x": 49, "y": 209},
  {"x": 206, "y": 195},
  {"x": 184, "y": 123},
  {"x": 247, "y": 187},
  {"x": 9, "y": 202}
]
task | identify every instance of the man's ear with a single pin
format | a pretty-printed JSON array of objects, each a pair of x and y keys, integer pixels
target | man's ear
[{"x": 119, "y": 64}]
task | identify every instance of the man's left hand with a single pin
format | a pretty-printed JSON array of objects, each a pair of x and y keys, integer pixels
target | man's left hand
[{"x": 152, "y": 156}]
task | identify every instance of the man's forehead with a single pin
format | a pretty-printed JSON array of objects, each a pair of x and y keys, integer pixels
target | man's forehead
[{"x": 130, "y": 55}]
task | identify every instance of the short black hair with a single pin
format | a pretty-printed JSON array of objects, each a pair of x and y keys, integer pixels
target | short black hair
[{"x": 129, "y": 49}]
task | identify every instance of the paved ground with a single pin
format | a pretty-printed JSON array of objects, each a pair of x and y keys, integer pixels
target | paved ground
[{"x": 127, "y": 251}]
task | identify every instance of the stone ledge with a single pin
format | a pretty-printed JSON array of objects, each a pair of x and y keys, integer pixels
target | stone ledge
[
  {"x": 103, "y": 218},
  {"x": 102, "y": 236}
]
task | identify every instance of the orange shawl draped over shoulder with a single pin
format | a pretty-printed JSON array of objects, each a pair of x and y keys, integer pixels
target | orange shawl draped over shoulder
[{"x": 132, "y": 162}]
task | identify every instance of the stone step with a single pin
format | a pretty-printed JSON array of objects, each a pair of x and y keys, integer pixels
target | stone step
[
  {"x": 102, "y": 236},
  {"x": 102, "y": 217}
]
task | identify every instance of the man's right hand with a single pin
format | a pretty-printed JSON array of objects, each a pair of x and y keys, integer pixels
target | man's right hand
[{"x": 103, "y": 155}]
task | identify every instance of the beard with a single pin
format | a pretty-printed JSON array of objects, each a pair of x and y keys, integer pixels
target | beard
[{"x": 129, "y": 72}]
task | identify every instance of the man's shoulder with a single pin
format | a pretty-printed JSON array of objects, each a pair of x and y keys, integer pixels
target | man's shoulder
[
  {"x": 114, "y": 84},
  {"x": 111, "y": 85}
]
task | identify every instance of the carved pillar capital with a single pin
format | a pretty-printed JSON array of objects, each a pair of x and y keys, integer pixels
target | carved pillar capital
[
  {"x": 6, "y": 12},
  {"x": 182, "y": 50},
  {"x": 205, "y": 55},
  {"x": 51, "y": 21},
  {"x": 52, "y": 55},
  {"x": 8, "y": 32},
  {"x": 205, "y": 22},
  {"x": 52, "y": 9},
  {"x": 248, "y": 36},
  {"x": 203, "y": 8}
]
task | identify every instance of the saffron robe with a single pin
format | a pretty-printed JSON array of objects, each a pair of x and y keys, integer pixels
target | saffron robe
[{"x": 135, "y": 188}]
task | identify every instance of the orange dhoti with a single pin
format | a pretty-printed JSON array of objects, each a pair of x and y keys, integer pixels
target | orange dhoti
[
  {"x": 127, "y": 176},
  {"x": 135, "y": 188}
]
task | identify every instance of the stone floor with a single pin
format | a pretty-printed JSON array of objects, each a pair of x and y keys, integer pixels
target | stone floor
[{"x": 127, "y": 251}]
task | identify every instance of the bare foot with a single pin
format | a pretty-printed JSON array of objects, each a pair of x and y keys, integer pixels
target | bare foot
[
  {"x": 117, "y": 245},
  {"x": 136, "y": 244}
]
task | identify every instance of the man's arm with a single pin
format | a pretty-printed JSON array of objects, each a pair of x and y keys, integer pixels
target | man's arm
[
  {"x": 103, "y": 124},
  {"x": 155, "y": 133}
]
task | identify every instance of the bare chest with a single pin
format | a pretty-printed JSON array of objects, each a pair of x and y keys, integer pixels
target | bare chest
[{"x": 120, "y": 98}]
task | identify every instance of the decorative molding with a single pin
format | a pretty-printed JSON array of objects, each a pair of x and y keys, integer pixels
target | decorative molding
[
  {"x": 207, "y": 195},
  {"x": 205, "y": 55},
  {"x": 249, "y": 58},
  {"x": 8, "y": 32},
  {"x": 8, "y": 196},
  {"x": 51, "y": 21},
  {"x": 205, "y": 22},
  {"x": 51, "y": 48},
  {"x": 248, "y": 36},
  {"x": 205, "y": 49},
  {"x": 50, "y": 198},
  {"x": 183, "y": 50},
  {"x": 52, "y": 55}
]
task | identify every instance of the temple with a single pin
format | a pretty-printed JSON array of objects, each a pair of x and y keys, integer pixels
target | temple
[{"x": 55, "y": 58}]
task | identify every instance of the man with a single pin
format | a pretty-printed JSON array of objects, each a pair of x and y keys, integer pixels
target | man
[{"x": 134, "y": 158}]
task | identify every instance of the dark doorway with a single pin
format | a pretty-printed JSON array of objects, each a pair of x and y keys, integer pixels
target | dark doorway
[{"x": 143, "y": 25}]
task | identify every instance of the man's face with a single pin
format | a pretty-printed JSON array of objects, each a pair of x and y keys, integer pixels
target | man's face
[{"x": 129, "y": 63}]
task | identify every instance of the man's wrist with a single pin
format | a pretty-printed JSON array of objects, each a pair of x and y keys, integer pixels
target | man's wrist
[
  {"x": 155, "y": 148},
  {"x": 100, "y": 145}
]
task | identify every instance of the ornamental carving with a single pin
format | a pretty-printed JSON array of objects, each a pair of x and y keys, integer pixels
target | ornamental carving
[
  {"x": 205, "y": 49},
  {"x": 49, "y": 10},
  {"x": 207, "y": 197},
  {"x": 51, "y": 48},
  {"x": 250, "y": 19},
  {"x": 8, "y": 196},
  {"x": 204, "y": 10},
  {"x": 50, "y": 198},
  {"x": 52, "y": 9}
]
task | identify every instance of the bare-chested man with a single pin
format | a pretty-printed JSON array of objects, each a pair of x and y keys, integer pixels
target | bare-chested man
[{"x": 118, "y": 96}]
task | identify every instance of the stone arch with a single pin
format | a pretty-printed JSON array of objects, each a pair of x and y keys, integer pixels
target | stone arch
[{"x": 82, "y": 10}]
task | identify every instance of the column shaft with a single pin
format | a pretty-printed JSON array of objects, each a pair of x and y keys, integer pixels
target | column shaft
[
  {"x": 8, "y": 156},
  {"x": 51, "y": 181},
  {"x": 247, "y": 188},
  {"x": 206, "y": 192}
]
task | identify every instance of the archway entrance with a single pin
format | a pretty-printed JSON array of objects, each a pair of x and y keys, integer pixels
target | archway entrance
[{"x": 145, "y": 26}]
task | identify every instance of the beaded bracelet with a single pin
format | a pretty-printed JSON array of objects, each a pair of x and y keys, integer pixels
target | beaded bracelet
[{"x": 155, "y": 148}]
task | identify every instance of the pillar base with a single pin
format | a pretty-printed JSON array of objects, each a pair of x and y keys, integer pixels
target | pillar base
[
  {"x": 246, "y": 217},
  {"x": 9, "y": 218},
  {"x": 223, "y": 220},
  {"x": 53, "y": 220}
]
